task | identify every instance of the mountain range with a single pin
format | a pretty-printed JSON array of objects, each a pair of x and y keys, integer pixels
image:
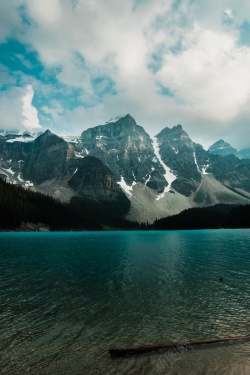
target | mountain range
[{"x": 118, "y": 162}]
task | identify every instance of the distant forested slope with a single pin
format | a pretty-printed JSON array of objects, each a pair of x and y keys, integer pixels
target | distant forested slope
[
  {"x": 19, "y": 205},
  {"x": 214, "y": 217}
]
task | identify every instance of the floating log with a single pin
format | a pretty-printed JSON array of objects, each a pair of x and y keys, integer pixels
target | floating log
[{"x": 121, "y": 352}]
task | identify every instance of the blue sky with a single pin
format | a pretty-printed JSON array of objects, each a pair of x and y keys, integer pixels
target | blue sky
[{"x": 71, "y": 64}]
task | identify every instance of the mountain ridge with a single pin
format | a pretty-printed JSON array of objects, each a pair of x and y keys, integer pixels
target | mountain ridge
[
  {"x": 223, "y": 148},
  {"x": 161, "y": 176}
]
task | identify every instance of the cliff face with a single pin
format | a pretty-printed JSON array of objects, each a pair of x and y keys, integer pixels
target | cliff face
[
  {"x": 178, "y": 151},
  {"x": 94, "y": 179},
  {"x": 14, "y": 151},
  {"x": 47, "y": 158},
  {"x": 53, "y": 166},
  {"x": 231, "y": 171},
  {"x": 120, "y": 164},
  {"x": 127, "y": 150}
]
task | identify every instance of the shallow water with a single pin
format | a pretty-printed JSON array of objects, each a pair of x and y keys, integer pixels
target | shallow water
[{"x": 66, "y": 298}]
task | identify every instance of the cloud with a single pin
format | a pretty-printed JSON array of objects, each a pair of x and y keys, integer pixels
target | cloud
[
  {"x": 229, "y": 13},
  {"x": 210, "y": 76},
  {"x": 10, "y": 20},
  {"x": 29, "y": 112},
  {"x": 10, "y": 108},
  {"x": 163, "y": 62},
  {"x": 6, "y": 78}
]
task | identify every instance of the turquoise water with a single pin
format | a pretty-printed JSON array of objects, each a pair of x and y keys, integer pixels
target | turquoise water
[{"x": 66, "y": 298}]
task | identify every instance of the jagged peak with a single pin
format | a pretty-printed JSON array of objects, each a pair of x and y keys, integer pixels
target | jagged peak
[
  {"x": 50, "y": 137},
  {"x": 175, "y": 130},
  {"x": 118, "y": 118},
  {"x": 128, "y": 119},
  {"x": 124, "y": 125},
  {"x": 179, "y": 127},
  {"x": 220, "y": 143},
  {"x": 47, "y": 132}
]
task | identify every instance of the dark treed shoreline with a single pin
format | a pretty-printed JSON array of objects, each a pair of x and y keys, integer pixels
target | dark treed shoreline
[{"x": 25, "y": 210}]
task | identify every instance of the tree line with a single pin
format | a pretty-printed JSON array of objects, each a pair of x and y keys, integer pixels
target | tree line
[
  {"x": 19, "y": 206},
  {"x": 213, "y": 217}
]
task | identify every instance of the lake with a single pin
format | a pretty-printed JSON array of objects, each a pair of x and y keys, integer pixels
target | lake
[{"x": 66, "y": 298}]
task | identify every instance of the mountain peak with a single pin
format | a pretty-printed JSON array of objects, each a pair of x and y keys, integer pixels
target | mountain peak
[
  {"x": 128, "y": 120},
  {"x": 49, "y": 138},
  {"x": 116, "y": 119},
  {"x": 176, "y": 131},
  {"x": 119, "y": 127},
  {"x": 179, "y": 127},
  {"x": 223, "y": 148}
]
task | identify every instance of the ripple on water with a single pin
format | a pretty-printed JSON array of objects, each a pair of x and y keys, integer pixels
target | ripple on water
[{"x": 67, "y": 297}]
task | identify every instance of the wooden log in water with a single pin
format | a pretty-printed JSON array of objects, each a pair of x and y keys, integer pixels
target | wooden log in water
[{"x": 121, "y": 352}]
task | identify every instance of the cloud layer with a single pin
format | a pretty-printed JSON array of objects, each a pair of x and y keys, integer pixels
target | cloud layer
[
  {"x": 29, "y": 112},
  {"x": 164, "y": 62}
]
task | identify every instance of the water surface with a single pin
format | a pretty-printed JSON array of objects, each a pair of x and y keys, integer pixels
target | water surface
[{"x": 68, "y": 297}]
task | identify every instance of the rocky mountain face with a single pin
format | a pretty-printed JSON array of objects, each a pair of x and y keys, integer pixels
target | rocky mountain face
[
  {"x": 160, "y": 176},
  {"x": 223, "y": 148},
  {"x": 127, "y": 150},
  {"x": 14, "y": 150},
  {"x": 178, "y": 152},
  {"x": 94, "y": 179},
  {"x": 244, "y": 153},
  {"x": 51, "y": 165},
  {"x": 231, "y": 172},
  {"x": 47, "y": 158}
]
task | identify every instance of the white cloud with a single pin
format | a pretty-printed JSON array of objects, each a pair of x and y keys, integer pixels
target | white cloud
[
  {"x": 10, "y": 108},
  {"x": 229, "y": 13},
  {"x": 29, "y": 112},
  {"x": 186, "y": 46},
  {"x": 5, "y": 77},
  {"x": 10, "y": 20},
  {"x": 210, "y": 76}
]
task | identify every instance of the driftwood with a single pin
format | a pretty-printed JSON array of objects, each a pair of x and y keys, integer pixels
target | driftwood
[{"x": 121, "y": 352}]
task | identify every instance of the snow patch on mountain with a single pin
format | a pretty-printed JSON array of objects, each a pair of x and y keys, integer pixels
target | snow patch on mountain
[
  {"x": 28, "y": 184},
  {"x": 21, "y": 139},
  {"x": 204, "y": 168},
  {"x": 174, "y": 149},
  {"x": 19, "y": 177},
  {"x": 169, "y": 175},
  {"x": 195, "y": 161},
  {"x": 126, "y": 187},
  {"x": 148, "y": 179},
  {"x": 9, "y": 170},
  {"x": 79, "y": 155}
]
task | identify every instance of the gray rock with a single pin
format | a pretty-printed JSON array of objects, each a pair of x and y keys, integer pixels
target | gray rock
[
  {"x": 127, "y": 150},
  {"x": 94, "y": 179},
  {"x": 223, "y": 148},
  {"x": 177, "y": 152},
  {"x": 47, "y": 159}
]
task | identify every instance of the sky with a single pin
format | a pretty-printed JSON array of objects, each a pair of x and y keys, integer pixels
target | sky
[{"x": 68, "y": 65}]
